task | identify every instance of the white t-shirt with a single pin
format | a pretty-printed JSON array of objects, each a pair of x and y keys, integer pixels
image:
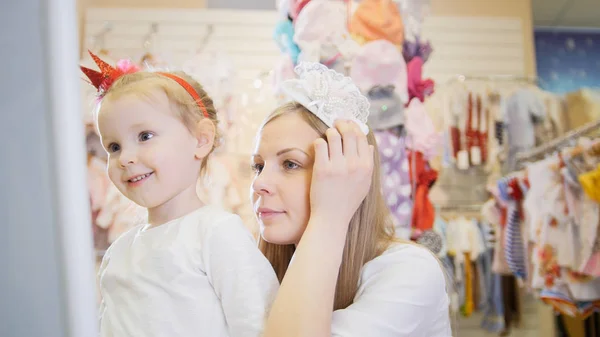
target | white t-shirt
[
  {"x": 401, "y": 293},
  {"x": 199, "y": 275}
]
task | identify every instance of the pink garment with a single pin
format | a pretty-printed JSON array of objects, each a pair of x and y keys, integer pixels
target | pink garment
[
  {"x": 417, "y": 87},
  {"x": 296, "y": 6},
  {"x": 422, "y": 136},
  {"x": 379, "y": 63},
  {"x": 321, "y": 32}
]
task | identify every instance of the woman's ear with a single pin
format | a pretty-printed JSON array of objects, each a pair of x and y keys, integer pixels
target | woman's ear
[{"x": 205, "y": 135}]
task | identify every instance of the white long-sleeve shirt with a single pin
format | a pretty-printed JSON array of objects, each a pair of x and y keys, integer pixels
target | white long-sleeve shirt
[{"x": 199, "y": 275}]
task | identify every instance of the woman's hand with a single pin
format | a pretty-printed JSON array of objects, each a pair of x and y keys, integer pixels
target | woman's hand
[{"x": 342, "y": 173}]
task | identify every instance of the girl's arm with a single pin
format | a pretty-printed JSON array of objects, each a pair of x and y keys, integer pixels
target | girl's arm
[
  {"x": 341, "y": 179},
  {"x": 241, "y": 276}
]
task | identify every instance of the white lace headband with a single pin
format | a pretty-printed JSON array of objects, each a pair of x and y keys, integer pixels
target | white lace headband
[{"x": 327, "y": 94}]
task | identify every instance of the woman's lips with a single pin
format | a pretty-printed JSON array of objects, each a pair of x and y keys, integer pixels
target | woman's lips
[{"x": 267, "y": 213}]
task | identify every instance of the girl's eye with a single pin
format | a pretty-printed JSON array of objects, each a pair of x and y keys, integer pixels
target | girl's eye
[
  {"x": 290, "y": 165},
  {"x": 257, "y": 168},
  {"x": 145, "y": 136},
  {"x": 113, "y": 147}
]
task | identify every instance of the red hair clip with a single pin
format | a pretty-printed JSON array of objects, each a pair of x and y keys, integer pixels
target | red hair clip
[{"x": 103, "y": 79}]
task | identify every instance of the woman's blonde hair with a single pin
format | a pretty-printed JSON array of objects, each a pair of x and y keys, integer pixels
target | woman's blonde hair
[
  {"x": 370, "y": 231},
  {"x": 142, "y": 83}
]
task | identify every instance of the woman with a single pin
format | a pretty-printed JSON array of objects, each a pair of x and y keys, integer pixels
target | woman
[{"x": 325, "y": 227}]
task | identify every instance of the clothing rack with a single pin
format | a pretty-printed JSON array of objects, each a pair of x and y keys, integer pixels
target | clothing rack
[
  {"x": 467, "y": 209},
  {"x": 551, "y": 146},
  {"x": 459, "y": 207}
]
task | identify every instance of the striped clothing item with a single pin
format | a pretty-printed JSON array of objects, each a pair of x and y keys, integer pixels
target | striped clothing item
[{"x": 514, "y": 247}]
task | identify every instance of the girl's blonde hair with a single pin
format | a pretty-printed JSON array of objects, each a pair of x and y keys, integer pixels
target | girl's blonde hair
[
  {"x": 142, "y": 83},
  {"x": 370, "y": 231}
]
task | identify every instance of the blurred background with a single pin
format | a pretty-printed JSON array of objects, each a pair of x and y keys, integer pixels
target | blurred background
[{"x": 495, "y": 88}]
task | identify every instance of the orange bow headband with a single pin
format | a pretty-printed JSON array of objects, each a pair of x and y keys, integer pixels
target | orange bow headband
[{"x": 103, "y": 79}]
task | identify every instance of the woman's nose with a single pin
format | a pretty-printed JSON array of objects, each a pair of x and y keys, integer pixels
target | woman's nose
[{"x": 262, "y": 184}]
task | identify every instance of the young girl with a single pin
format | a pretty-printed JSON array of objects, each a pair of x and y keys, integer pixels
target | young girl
[
  {"x": 192, "y": 270},
  {"x": 317, "y": 197}
]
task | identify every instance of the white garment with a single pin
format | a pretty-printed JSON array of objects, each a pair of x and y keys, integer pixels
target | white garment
[
  {"x": 401, "y": 293},
  {"x": 199, "y": 275}
]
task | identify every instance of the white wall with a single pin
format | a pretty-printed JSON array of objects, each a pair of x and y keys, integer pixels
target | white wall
[{"x": 467, "y": 45}]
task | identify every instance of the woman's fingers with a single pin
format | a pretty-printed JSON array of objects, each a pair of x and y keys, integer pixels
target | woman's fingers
[
  {"x": 334, "y": 140},
  {"x": 321, "y": 152},
  {"x": 350, "y": 133}
]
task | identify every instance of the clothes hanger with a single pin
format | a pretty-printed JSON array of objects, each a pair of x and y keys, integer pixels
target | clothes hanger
[{"x": 148, "y": 59}]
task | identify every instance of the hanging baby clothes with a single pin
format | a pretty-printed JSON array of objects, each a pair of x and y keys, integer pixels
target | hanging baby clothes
[
  {"x": 417, "y": 86},
  {"x": 395, "y": 182},
  {"x": 423, "y": 176},
  {"x": 284, "y": 38},
  {"x": 377, "y": 20},
  {"x": 379, "y": 64},
  {"x": 514, "y": 246},
  {"x": 523, "y": 110},
  {"x": 581, "y": 168},
  {"x": 296, "y": 6},
  {"x": 416, "y": 48},
  {"x": 422, "y": 134},
  {"x": 561, "y": 224},
  {"x": 422, "y": 140},
  {"x": 380, "y": 72},
  {"x": 328, "y": 42}
]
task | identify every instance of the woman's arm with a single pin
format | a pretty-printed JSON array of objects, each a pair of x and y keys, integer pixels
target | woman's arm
[
  {"x": 304, "y": 303},
  {"x": 341, "y": 179}
]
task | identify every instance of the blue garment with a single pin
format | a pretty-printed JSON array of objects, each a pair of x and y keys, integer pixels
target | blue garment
[
  {"x": 440, "y": 226},
  {"x": 484, "y": 272},
  {"x": 523, "y": 110},
  {"x": 493, "y": 318},
  {"x": 284, "y": 37}
]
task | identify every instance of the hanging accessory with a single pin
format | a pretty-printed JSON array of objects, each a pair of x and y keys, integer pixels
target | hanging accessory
[
  {"x": 328, "y": 94},
  {"x": 102, "y": 80},
  {"x": 476, "y": 157},
  {"x": 462, "y": 158}
]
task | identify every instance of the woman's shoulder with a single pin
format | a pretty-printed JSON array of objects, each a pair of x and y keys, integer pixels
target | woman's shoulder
[
  {"x": 402, "y": 255},
  {"x": 402, "y": 292},
  {"x": 405, "y": 267}
]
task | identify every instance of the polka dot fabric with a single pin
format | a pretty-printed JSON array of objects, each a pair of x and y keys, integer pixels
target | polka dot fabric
[{"x": 395, "y": 180}]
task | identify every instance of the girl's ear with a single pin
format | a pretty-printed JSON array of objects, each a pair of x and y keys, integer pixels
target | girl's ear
[{"x": 205, "y": 135}]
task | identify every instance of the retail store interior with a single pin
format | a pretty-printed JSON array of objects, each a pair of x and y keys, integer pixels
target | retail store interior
[{"x": 486, "y": 115}]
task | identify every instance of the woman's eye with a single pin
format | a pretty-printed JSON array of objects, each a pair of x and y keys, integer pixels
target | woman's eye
[
  {"x": 290, "y": 165},
  {"x": 257, "y": 168},
  {"x": 145, "y": 136},
  {"x": 113, "y": 147}
]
